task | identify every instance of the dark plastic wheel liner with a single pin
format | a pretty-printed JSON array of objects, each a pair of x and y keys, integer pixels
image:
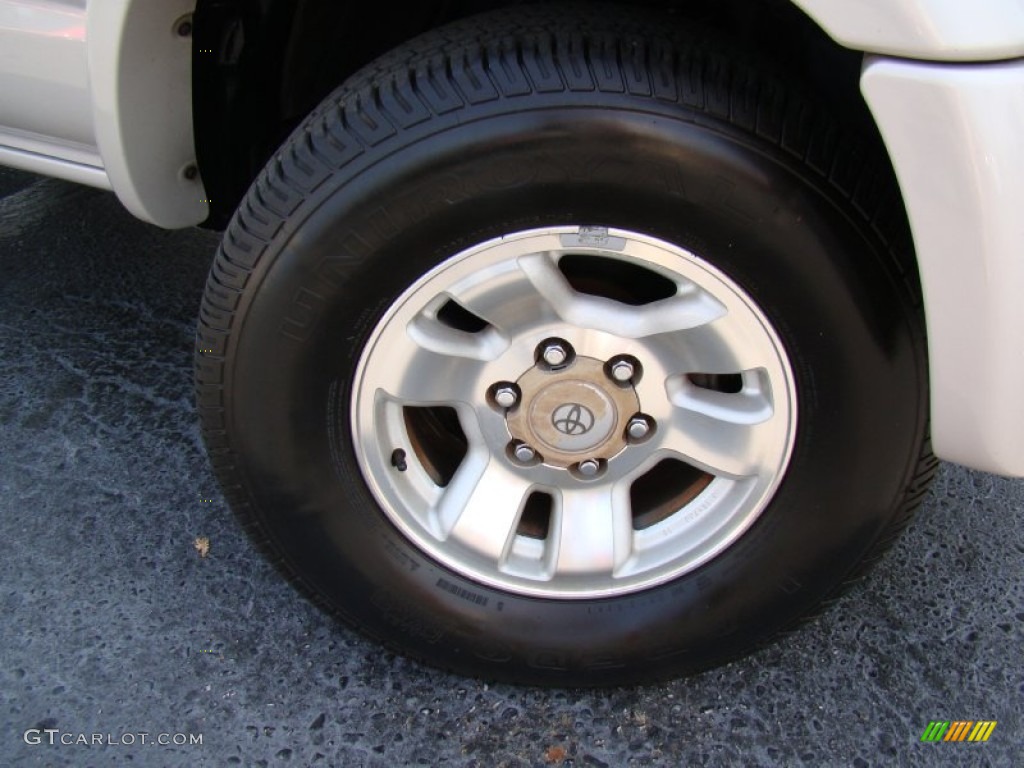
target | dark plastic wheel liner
[{"x": 546, "y": 118}]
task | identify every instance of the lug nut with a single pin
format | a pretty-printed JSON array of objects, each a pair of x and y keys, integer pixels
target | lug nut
[
  {"x": 555, "y": 353},
  {"x": 588, "y": 467},
  {"x": 524, "y": 453},
  {"x": 638, "y": 428},
  {"x": 622, "y": 370},
  {"x": 505, "y": 395}
]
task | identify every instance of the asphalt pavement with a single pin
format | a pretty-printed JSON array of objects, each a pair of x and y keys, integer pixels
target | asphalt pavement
[{"x": 113, "y": 625}]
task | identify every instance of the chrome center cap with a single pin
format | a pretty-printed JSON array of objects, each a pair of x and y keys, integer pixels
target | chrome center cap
[{"x": 572, "y": 414}]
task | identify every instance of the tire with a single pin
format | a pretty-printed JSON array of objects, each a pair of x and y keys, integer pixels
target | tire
[{"x": 605, "y": 222}]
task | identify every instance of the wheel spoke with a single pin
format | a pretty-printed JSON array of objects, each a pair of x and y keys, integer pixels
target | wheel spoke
[
  {"x": 508, "y": 299},
  {"x": 430, "y": 365},
  {"x": 690, "y": 308},
  {"x": 594, "y": 530},
  {"x": 722, "y": 347},
  {"x": 752, "y": 404},
  {"x": 481, "y": 505},
  {"x": 722, "y": 433}
]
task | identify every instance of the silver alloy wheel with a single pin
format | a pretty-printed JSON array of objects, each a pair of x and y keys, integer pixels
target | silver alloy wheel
[{"x": 712, "y": 382}]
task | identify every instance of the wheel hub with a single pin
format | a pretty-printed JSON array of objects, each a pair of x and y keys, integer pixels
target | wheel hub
[{"x": 573, "y": 413}]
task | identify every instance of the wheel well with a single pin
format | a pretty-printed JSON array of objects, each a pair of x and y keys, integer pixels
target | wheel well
[{"x": 260, "y": 66}]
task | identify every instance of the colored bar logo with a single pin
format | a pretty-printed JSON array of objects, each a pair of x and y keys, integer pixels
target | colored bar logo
[{"x": 958, "y": 730}]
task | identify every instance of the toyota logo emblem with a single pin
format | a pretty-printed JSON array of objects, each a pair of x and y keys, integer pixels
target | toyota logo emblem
[{"x": 573, "y": 419}]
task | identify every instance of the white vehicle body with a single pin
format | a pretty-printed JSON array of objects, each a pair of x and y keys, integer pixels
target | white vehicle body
[{"x": 100, "y": 93}]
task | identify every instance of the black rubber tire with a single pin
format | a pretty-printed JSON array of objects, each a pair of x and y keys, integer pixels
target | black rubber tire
[{"x": 549, "y": 116}]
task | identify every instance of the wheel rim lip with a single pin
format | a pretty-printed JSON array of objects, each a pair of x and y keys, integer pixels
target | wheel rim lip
[{"x": 373, "y": 429}]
